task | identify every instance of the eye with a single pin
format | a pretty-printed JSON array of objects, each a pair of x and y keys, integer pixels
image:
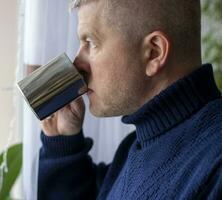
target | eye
[{"x": 90, "y": 43}]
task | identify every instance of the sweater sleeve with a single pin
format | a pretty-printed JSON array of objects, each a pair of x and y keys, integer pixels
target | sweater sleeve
[{"x": 66, "y": 171}]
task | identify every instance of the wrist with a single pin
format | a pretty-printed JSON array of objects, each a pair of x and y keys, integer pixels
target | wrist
[
  {"x": 70, "y": 131},
  {"x": 61, "y": 145}
]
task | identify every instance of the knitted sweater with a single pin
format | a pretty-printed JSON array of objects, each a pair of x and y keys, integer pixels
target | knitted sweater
[{"x": 175, "y": 152}]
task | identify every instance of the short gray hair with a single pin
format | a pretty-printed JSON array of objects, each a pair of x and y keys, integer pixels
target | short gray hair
[
  {"x": 134, "y": 19},
  {"x": 77, "y": 3}
]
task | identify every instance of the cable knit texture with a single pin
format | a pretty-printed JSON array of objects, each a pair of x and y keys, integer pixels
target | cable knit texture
[{"x": 175, "y": 152}]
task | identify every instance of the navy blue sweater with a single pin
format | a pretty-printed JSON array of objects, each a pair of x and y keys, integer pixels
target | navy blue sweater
[{"x": 175, "y": 152}]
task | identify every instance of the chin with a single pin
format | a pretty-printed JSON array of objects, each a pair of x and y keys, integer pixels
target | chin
[
  {"x": 101, "y": 112},
  {"x": 111, "y": 109}
]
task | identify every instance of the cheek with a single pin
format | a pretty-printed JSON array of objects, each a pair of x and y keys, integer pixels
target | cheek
[
  {"x": 106, "y": 69},
  {"x": 113, "y": 69}
]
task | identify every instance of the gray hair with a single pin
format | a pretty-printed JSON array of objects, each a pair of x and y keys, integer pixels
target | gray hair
[
  {"x": 135, "y": 19},
  {"x": 77, "y": 3}
]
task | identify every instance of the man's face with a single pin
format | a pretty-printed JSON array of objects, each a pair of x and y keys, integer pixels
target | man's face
[{"x": 114, "y": 73}]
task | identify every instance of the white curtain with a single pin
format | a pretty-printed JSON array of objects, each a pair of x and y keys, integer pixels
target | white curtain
[{"x": 50, "y": 30}]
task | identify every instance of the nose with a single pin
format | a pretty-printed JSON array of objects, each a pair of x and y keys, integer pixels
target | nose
[{"x": 81, "y": 62}]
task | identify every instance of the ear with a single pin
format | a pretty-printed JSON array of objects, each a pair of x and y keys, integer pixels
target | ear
[{"x": 155, "y": 52}]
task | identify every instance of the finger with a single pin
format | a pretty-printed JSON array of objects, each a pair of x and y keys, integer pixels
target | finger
[
  {"x": 77, "y": 105},
  {"x": 77, "y": 102},
  {"x": 50, "y": 117},
  {"x": 48, "y": 120}
]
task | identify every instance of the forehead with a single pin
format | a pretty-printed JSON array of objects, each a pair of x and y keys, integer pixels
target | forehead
[{"x": 89, "y": 16}]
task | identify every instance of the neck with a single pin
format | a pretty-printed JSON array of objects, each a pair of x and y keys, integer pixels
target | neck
[
  {"x": 174, "y": 104},
  {"x": 170, "y": 74}
]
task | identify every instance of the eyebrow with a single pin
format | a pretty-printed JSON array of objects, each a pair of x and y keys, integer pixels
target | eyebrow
[
  {"x": 88, "y": 33},
  {"x": 85, "y": 35}
]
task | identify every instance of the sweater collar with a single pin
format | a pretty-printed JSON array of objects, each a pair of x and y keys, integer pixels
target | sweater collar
[{"x": 174, "y": 104}]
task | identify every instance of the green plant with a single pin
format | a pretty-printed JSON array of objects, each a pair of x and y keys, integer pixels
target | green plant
[
  {"x": 14, "y": 163},
  {"x": 212, "y": 36}
]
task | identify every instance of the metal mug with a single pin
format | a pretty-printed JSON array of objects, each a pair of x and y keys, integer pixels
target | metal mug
[{"x": 52, "y": 86}]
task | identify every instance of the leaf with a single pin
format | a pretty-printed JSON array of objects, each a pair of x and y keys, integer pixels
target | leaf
[
  {"x": 14, "y": 161},
  {"x": 212, "y": 36}
]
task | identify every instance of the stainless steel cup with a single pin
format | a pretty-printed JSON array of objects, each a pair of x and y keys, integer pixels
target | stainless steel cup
[{"x": 52, "y": 86}]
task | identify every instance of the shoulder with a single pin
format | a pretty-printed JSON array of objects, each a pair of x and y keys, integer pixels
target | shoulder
[
  {"x": 209, "y": 119},
  {"x": 212, "y": 111}
]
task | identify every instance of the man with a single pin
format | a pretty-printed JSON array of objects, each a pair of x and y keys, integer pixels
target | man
[{"x": 140, "y": 59}]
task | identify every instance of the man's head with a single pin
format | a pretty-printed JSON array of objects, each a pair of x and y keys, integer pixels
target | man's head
[{"x": 131, "y": 50}]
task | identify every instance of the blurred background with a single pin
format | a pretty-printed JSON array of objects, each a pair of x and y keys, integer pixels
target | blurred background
[{"x": 32, "y": 32}]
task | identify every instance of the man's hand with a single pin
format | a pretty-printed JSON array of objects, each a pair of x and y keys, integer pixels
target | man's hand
[{"x": 66, "y": 121}]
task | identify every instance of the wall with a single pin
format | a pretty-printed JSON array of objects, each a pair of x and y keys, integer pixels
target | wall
[
  {"x": 8, "y": 63},
  {"x": 8, "y": 58}
]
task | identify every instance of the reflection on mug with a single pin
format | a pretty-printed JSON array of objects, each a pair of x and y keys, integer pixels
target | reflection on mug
[{"x": 52, "y": 86}]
